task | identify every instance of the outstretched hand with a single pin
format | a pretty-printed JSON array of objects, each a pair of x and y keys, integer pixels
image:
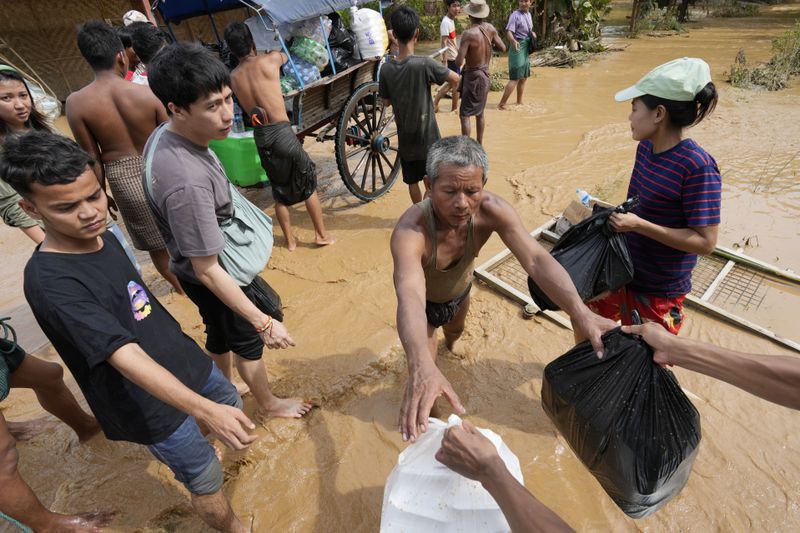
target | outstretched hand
[
  {"x": 467, "y": 451},
  {"x": 591, "y": 326},
  {"x": 424, "y": 385},
  {"x": 230, "y": 424},
  {"x": 663, "y": 343}
]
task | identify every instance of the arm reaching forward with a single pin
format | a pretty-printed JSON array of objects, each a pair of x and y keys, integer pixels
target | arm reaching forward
[
  {"x": 775, "y": 378},
  {"x": 469, "y": 453},
  {"x": 425, "y": 381}
]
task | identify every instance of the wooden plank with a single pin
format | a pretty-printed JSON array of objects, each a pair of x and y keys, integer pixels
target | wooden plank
[
  {"x": 752, "y": 262},
  {"x": 743, "y": 322},
  {"x": 521, "y": 297},
  {"x": 714, "y": 284}
]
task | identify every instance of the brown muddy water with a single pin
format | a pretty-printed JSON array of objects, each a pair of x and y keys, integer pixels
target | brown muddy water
[{"x": 326, "y": 473}]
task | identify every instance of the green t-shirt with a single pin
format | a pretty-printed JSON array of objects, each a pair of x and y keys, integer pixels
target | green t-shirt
[{"x": 407, "y": 83}]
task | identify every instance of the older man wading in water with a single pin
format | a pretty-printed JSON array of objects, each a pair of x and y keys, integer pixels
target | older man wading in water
[{"x": 434, "y": 246}]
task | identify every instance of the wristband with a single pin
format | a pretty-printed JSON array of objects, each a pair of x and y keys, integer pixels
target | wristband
[{"x": 267, "y": 325}]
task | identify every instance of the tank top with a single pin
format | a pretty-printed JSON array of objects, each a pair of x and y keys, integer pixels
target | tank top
[{"x": 444, "y": 285}]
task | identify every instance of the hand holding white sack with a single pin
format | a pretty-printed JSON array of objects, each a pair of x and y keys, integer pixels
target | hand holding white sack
[{"x": 423, "y": 495}]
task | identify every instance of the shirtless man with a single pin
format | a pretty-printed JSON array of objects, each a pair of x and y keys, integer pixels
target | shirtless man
[
  {"x": 111, "y": 119},
  {"x": 434, "y": 246},
  {"x": 474, "y": 53},
  {"x": 292, "y": 174}
]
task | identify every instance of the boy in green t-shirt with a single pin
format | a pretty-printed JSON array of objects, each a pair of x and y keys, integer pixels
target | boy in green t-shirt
[{"x": 405, "y": 84}]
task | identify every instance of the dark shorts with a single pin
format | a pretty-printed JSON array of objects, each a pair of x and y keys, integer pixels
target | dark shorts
[
  {"x": 187, "y": 452},
  {"x": 441, "y": 314},
  {"x": 452, "y": 65},
  {"x": 11, "y": 357},
  {"x": 291, "y": 172},
  {"x": 226, "y": 331},
  {"x": 413, "y": 171}
]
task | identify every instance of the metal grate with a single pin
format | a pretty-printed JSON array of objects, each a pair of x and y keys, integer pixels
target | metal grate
[{"x": 741, "y": 289}]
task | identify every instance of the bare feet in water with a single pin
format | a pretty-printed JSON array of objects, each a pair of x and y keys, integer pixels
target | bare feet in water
[
  {"x": 324, "y": 240},
  {"x": 291, "y": 243},
  {"x": 286, "y": 408},
  {"x": 502, "y": 107}
]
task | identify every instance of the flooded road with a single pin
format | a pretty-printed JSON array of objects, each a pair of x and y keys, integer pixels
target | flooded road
[{"x": 326, "y": 473}]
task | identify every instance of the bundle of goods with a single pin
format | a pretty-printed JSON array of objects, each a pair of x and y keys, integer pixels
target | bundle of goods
[
  {"x": 424, "y": 496},
  {"x": 310, "y": 51},
  {"x": 370, "y": 31},
  {"x": 308, "y": 72},
  {"x": 343, "y": 46},
  {"x": 627, "y": 420},
  {"x": 594, "y": 255}
]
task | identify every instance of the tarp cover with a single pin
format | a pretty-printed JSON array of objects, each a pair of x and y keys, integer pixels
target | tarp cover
[
  {"x": 595, "y": 257},
  {"x": 282, "y": 11},
  {"x": 626, "y": 419}
]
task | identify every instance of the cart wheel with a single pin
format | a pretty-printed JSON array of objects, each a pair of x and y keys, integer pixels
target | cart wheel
[{"x": 366, "y": 144}]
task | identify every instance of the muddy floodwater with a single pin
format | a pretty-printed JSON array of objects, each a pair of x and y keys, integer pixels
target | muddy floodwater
[{"x": 326, "y": 473}]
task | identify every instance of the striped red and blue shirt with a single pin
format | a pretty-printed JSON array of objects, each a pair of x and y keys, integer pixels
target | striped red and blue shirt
[{"x": 678, "y": 188}]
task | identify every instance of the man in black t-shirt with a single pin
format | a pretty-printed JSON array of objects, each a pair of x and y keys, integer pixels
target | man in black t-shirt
[{"x": 145, "y": 380}]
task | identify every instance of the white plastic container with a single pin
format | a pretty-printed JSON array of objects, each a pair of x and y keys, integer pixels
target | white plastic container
[
  {"x": 370, "y": 31},
  {"x": 424, "y": 496}
]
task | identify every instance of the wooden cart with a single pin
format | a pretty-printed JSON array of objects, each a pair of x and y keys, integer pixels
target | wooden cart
[{"x": 344, "y": 107}]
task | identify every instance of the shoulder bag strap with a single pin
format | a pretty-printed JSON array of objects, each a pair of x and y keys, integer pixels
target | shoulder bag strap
[{"x": 148, "y": 162}]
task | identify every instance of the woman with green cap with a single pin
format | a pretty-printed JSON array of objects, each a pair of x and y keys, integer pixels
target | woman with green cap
[{"x": 679, "y": 189}]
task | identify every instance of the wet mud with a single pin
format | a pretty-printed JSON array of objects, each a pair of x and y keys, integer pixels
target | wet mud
[{"x": 326, "y": 473}]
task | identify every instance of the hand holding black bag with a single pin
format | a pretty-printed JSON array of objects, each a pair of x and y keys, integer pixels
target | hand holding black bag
[
  {"x": 593, "y": 254},
  {"x": 626, "y": 419}
]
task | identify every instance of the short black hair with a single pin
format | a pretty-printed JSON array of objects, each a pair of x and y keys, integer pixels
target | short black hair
[
  {"x": 99, "y": 44},
  {"x": 125, "y": 35},
  {"x": 41, "y": 157},
  {"x": 147, "y": 40},
  {"x": 182, "y": 73},
  {"x": 405, "y": 22},
  {"x": 239, "y": 39}
]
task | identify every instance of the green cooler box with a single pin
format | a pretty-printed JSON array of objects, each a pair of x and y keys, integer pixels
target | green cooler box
[{"x": 240, "y": 159}]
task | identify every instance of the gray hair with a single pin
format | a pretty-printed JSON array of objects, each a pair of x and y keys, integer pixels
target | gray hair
[{"x": 458, "y": 150}]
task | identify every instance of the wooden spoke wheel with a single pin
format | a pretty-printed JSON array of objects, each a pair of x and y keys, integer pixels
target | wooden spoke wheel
[{"x": 366, "y": 144}]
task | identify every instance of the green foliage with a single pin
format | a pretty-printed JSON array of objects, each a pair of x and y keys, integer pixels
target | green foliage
[
  {"x": 653, "y": 18},
  {"x": 735, "y": 8},
  {"x": 776, "y": 73}
]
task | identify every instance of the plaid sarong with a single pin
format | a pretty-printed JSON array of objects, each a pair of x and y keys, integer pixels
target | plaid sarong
[{"x": 124, "y": 177}]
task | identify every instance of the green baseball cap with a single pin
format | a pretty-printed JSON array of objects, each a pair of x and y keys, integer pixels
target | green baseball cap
[{"x": 679, "y": 80}]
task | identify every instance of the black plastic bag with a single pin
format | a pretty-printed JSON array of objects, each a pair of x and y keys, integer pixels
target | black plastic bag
[
  {"x": 626, "y": 419},
  {"x": 594, "y": 255}
]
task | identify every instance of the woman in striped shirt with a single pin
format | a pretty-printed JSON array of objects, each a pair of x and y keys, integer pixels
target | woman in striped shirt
[{"x": 679, "y": 187}]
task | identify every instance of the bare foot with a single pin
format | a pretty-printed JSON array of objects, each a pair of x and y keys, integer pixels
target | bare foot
[
  {"x": 91, "y": 522},
  {"x": 501, "y": 107},
  {"x": 89, "y": 432},
  {"x": 286, "y": 408},
  {"x": 450, "y": 343},
  {"x": 242, "y": 388},
  {"x": 22, "y": 431},
  {"x": 291, "y": 244},
  {"x": 325, "y": 241},
  {"x": 436, "y": 108}
]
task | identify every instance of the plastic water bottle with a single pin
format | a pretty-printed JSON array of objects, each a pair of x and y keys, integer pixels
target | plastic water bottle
[
  {"x": 238, "y": 121},
  {"x": 584, "y": 197}
]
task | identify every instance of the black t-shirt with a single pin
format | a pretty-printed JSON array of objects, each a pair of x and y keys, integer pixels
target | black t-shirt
[
  {"x": 407, "y": 83},
  {"x": 90, "y": 305}
]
